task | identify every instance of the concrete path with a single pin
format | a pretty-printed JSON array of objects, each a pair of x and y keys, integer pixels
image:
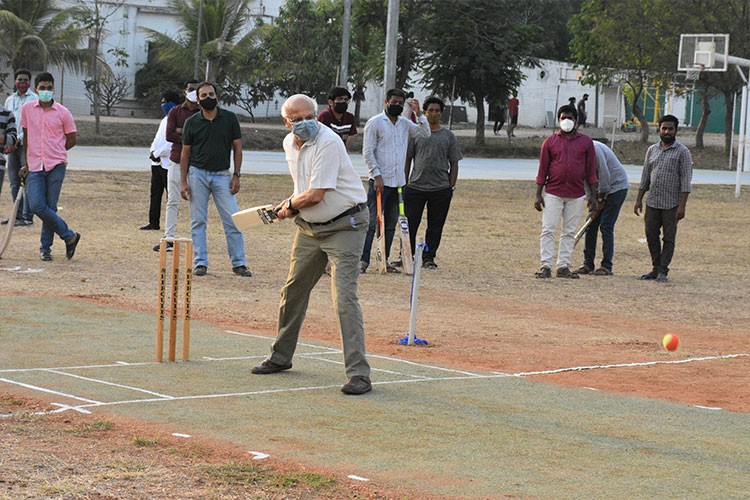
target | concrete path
[{"x": 272, "y": 162}]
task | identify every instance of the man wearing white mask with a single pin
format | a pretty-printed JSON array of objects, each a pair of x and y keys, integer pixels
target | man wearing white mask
[
  {"x": 175, "y": 122},
  {"x": 330, "y": 210},
  {"x": 567, "y": 160}
]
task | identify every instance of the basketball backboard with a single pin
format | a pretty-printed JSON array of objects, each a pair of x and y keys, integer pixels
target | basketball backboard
[{"x": 700, "y": 51}]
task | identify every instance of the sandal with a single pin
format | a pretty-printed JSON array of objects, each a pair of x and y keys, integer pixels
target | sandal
[
  {"x": 564, "y": 272},
  {"x": 602, "y": 271},
  {"x": 584, "y": 269}
]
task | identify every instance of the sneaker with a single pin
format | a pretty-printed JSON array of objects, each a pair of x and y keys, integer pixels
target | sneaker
[
  {"x": 149, "y": 227},
  {"x": 70, "y": 247},
  {"x": 543, "y": 273},
  {"x": 362, "y": 267},
  {"x": 21, "y": 223},
  {"x": 564, "y": 272},
  {"x": 28, "y": 222},
  {"x": 170, "y": 246},
  {"x": 392, "y": 270},
  {"x": 429, "y": 264},
  {"x": 357, "y": 385},
  {"x": 45, "y": 255},
  {"x": 200, "y": 271},
  {"x": 269, "y": 366},
  {"x": 662, "y": 278},
  {"x": 4, "y": 222},
  {"x": 397, "y": 263},
  {"x": 649, "y": 276},
  {"x": 242, "y": 271}
]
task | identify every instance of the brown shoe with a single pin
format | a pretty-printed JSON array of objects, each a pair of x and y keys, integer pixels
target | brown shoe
[
  {"x": 584, "y": 269},
  {"x": 602, "y": 271},
  {"x": 269, "y": 366},
  {"x": 543, "y": 273},
  {"x": 564, "y": 272},
  {"x": 357, "y": 385}
]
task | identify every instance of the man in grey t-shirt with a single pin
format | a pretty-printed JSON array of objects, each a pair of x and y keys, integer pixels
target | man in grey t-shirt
[{"x": 432, "y": 180}]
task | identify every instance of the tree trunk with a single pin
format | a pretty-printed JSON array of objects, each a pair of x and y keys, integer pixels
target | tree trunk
[
  {"x": 728, "y": 121},
  {"x": 97, "y": 88},
  {"x": 640, "y": 115},
  {"x": 704, "y": 119},
  {"x": 479, "y": 139}
]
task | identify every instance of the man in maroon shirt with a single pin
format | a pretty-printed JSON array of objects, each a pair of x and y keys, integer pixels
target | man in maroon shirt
[
  {"x": 175, "y": 121},
  {"x": 567, "y": 161},
  {"x": 336, "y": 117},
  {"x": 512, "y": 115}
]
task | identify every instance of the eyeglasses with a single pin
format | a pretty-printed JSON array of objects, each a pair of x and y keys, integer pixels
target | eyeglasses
[{"x": 300, "y": 120}]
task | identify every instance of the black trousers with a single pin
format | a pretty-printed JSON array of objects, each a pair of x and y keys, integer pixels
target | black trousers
[
  {"x": 158, "y": 188},
  {"x": 661, "y": 222},
  {"x": 438, "y": 203}
]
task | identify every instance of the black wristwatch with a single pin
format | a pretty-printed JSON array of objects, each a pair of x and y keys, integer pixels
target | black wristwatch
[
  {"x": 236, "y": 174},
  {"x": 290, "y": 207}
]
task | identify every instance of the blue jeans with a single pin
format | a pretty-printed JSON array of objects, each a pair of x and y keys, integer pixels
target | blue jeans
[
  {"x": 204, "y": 183},
  {"x": 390, "y": 214},
  {"x": 606, "y": 224},
  {"x": 43, "y": 189}
]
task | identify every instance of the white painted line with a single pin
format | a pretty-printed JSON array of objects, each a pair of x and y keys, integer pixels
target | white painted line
[
  {"x": 626, "y": 365},
  {"x": 98, "y": 381},
  {"x": 373, "y": 369},
  {"x": 83, "y": 367},
  {"x": 68, "y": 407},
  {"x": 357, "y": 478},
  {"x": 712, "y": 408},
  {"x": 49, "y": 391},
  {"x": 265, "y": 337},
  {"x": 590, "y": 388},
  {"x": 258, "y": 455},
  {"x": 179, "y": 435},
  {"x": 422, "y": 365}
]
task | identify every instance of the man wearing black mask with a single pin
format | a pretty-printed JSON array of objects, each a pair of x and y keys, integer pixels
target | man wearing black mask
[
  {"x": 336, "y": 117},
  {"x": 384, "y": 150},
  {"x": 209, "y": 138}
]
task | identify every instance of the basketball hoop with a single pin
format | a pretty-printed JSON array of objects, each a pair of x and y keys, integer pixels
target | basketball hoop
[{"x": 694, "y": 73}]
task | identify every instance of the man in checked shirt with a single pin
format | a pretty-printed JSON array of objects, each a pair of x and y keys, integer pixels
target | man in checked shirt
[{"x": 667, "y": 172}]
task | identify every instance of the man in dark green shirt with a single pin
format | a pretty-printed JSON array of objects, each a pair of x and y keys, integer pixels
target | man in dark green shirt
[{"x": 209, "y": 138}]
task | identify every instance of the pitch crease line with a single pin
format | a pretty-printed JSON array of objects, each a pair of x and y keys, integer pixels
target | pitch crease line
[
  {"x": 373, "y": 369},
  {"x": 423, "y": 365},
  {"x": 98, "y": 381},
  {"x": 119, "y": 364},
  {"x": 264, "y": 337},
  {"x": 49, "y": 391}
]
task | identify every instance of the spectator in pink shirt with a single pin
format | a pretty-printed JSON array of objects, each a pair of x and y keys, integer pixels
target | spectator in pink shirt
[
  {"x": 566, "y": 161},
  {"x": 49, "y": 132}
]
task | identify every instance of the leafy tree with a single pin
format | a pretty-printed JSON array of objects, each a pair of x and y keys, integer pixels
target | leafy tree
[
  {"x": 626, "y": 41},
  {"x": 304, "y": 46},
  {"x": 111, "y": 88},
  {"x": 552, "y": 17},
  {"x": 478, "y": 46},
  {"x": 35, "y": 34}
]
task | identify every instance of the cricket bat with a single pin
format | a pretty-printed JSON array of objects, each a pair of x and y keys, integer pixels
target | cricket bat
[
  {"x": 582, "y": 231},
  {"x": 407, "y": 260},
  {"x": 251, "y": 218},
  {"x": 12, "y": 218},
  {"x": 380, "y": 238}
]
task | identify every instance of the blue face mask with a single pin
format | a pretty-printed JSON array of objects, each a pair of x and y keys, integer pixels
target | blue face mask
[
  {"x": 305, "y": 129},
  {"x": 45, "y": 95},
  {"x": 167, "y": 106}
]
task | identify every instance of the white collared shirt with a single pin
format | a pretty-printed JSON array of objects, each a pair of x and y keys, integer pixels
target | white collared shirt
[
  {"x": 15, "y": 102},
  {"x": 385, "y": 143},
  {"x": 323, "y": 163}
]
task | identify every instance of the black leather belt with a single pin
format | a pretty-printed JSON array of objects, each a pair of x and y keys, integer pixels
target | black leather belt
[{"x": 355, "y": 209}]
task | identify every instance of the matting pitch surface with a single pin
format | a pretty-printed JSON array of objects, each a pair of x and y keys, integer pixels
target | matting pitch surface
[{"x": 426, "y": 428}]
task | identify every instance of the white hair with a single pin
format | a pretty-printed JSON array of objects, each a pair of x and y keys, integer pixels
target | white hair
[{"x": 294, "y": 100}]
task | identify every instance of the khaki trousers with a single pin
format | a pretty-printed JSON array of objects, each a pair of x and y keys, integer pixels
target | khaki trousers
[{"x": 339, "y": 242}]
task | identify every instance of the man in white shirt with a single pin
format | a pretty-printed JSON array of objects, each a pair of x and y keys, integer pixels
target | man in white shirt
[
  {"x": 331, "y": 218},
  {"x": 384, "y": 147},
  {"x": 16, "y": 159}
]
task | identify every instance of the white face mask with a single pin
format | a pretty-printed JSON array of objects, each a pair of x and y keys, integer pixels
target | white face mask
[
  {"x": 192, "y": 96},
  {"x": 567, "y": 125}
]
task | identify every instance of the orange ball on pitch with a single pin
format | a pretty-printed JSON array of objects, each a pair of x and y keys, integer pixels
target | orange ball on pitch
[{"x": 670, "y": 342}]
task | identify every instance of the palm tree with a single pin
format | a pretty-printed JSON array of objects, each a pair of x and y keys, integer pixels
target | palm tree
[
  {"x": 34, "y": 34},
  {"x": 223, "y": 22}
]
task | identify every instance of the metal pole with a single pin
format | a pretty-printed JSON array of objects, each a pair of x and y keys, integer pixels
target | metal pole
[
  {"x": 741, "y": 142},
  {"x": 731, "y": 135},
  {"x": 391, "y": 46},
  {"x": 198, "y": 40},
  {"x": 344, "y": 68}
]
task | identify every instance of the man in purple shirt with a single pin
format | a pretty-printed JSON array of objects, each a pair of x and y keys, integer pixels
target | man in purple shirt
[{"x": 567, "y": 161}]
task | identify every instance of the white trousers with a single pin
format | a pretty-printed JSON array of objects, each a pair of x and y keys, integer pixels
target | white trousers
[
  {"x": 173, "y": 199},
  {"x": 569, "y": 210}
]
